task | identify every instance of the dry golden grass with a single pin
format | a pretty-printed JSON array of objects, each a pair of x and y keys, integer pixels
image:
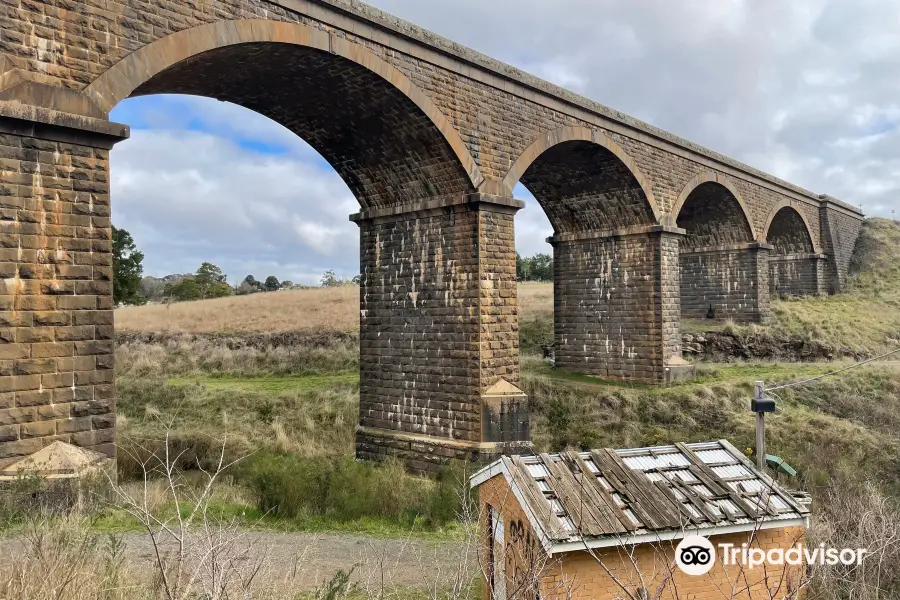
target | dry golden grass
[
  {"x": 315, "y": 309},
  {"x": 536, "y": 299}
]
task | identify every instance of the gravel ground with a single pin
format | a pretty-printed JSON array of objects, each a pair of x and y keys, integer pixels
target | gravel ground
[{"x": 292, "y": 562}]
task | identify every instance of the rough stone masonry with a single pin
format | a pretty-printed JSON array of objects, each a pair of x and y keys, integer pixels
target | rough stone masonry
[{"x": 431, "y": 138}]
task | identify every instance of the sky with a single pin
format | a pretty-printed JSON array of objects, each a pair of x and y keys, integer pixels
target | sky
[{"x": 808, "y": 90}]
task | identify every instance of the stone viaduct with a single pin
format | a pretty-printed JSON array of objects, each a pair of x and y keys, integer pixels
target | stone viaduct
[{"x": 431, "y": 137}]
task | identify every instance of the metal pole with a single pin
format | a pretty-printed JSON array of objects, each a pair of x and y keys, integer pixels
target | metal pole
[{"x": 760, "y": 431}]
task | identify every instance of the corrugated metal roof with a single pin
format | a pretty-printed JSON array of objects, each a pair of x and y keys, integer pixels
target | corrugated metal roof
[{"x": 575, "y": 496}]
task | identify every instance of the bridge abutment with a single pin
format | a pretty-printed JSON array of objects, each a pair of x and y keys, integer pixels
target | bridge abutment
[
  {"x": 56, "y": 319},
  {"x": 617, "y": 309},
  {"x": 726, "y": 282},
  {"x": 439, "y": 339}
]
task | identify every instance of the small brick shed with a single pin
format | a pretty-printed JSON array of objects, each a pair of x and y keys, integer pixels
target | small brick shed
[{"x": 605, "y": 524}]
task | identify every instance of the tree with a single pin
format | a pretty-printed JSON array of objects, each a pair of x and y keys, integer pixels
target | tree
[
  {"x": 251, "y": 281},
  {"x": 127, "y": 269},
  {"x": 272, "y": 284},
  {"x": 208, "y": 282},
  {"x": 542, "y": 267},
  {"x": 211, "y": 281},
  {"x": 536, "y": 268},
  {"x": 184, "y": 291},
  {"x": 329, "y": 279},
  {"x": 152, "y": 288},
  {"x": 287, "y": 284},
  {"x": 245, "y": 289}
]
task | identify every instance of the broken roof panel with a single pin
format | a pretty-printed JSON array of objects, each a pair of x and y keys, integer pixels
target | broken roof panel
[{"x": 573, "y": 497}]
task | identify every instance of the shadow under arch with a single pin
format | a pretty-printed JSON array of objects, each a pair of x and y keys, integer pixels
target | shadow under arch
[
  {"x": 796, "y": 265},
  {"x": 788, "y": 230},
  {"x": 584, "y": 181},
  {"x": 381, "y": 133},
  {"x": 716, "y": 189},
  {"x": 722, "y": 266}
]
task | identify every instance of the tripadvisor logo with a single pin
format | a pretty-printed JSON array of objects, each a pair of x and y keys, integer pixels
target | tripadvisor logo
[{"x": 696, "y": 555}]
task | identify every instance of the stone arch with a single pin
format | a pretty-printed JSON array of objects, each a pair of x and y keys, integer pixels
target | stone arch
[
  {"x": 576, "y": 173},
  {"x": 709, "y": 181},
  {"x": 788, "y": 230},
  {"x": 413, "y": 153},
  {"x": 722, "y": 274}
]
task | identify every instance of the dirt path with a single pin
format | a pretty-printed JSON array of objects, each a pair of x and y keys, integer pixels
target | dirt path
[
  {"x": 302, "y": 561},
  {"x": 306, "y": 560}
]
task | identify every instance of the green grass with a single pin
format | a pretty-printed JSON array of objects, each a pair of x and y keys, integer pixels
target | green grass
[
  {"x": 295, "y": 409},
  {"x": 862, "y": 320},
  {"x": 251, "y": 518},
  {"x": 707, "y": 373},
  {"x": 820, "y": 427},
  {"x": 267, "y": 384}
]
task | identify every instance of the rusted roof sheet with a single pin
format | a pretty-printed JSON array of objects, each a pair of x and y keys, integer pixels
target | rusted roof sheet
[{"x": 575, "y": 496}]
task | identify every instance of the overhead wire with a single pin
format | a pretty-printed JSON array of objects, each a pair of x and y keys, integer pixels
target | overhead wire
[{"x": 830, "y": 373}]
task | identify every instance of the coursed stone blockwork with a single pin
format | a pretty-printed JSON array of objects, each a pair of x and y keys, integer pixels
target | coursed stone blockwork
[
  {"x": 56, "y": 341},
  {"x": 725, "y": 283},
  {"x": 840, "y": 228},
  {"x": 723, "y": 270},
  {"x": 431, "y": 138},
  {"x": 438, "y": 324},
  {"x": 616, "y": 303},
  {"x": 797, "y": 275},
  {"x": 795, "y": 268}
]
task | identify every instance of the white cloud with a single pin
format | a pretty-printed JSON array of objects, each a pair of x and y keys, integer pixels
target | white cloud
[{"x": 189, "y": 196}]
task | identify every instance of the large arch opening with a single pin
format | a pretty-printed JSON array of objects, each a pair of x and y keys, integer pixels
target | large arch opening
[
  {"x": 606, "y": 256},
  {"x": 584, "y": 187},
  {"x": 385, "y": 149},
  {"x": 718, "y": 260},
  {"x": 795, "y": 269},
  {"x": 411, "y": 175}
]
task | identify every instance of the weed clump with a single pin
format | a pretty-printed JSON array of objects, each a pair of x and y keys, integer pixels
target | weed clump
[{"x": 344, "y": 489}]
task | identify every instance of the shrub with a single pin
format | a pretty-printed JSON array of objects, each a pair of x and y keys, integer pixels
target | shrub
[
  {"x": 534, "y": 333},
  {"x": 344, "y": 489}
]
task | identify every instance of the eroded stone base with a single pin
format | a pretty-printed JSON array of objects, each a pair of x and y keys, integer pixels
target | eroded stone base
[{"x": 426, "y": 454}]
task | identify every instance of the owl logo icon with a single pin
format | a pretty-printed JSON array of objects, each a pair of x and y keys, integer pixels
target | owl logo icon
[{"x": 695, "y": 555}]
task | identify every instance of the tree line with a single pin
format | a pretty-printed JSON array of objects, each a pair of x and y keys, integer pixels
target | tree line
[
  {"x": 534, "y": 268},
  {"x": 208, "y": 281}
]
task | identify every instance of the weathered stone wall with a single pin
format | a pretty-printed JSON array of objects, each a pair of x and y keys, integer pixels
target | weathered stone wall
[
  {"x": 616, "y": 311},
  {"x": 73, "y": 49},
  {"x": 419, "y": 342},
  {"x": 56, "y": 324},
  {"x": 733, "y": 282},
  {"x": 840, "y": 229},
  {"x": 796, "y": 275},
  {"x": 438, "y": 325}
]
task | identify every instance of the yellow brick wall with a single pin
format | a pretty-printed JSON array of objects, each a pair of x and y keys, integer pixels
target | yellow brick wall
[{"x": 581, "y": 575}]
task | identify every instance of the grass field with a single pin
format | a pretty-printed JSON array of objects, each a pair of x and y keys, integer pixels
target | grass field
[
  {"x": 864, "y": 320},
  {"x": 335, "y": 309}
]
